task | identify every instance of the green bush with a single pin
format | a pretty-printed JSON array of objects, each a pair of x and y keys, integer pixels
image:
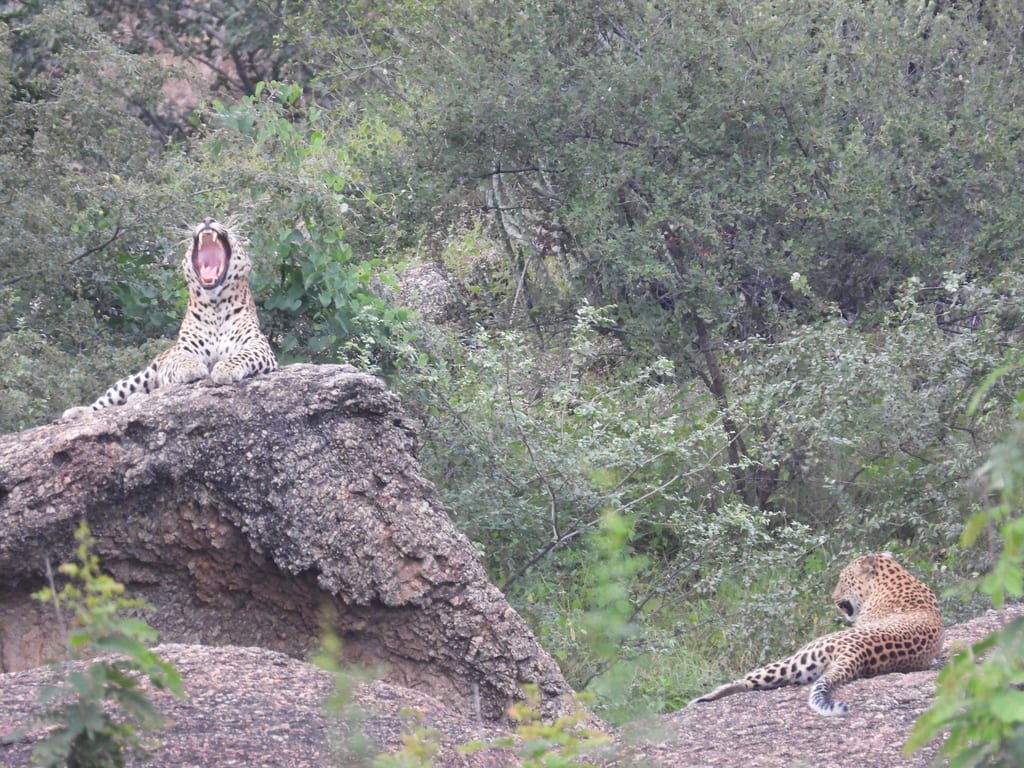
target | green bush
[
  {"x": 40, "y": 379},
  {"x": 282, "y": 164},
  {"x": 868, "y": 435},
  {"x": 560, "y": 743},
  {"x": 599, "y": 503}
]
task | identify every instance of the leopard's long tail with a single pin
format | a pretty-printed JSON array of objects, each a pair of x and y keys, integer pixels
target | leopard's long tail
[
  {"x": 811, "y": 664},
  {"x": 143, "y": 381}
]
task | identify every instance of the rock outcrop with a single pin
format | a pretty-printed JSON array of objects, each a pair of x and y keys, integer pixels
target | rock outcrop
[
  {"x": 431, "y": 291},
  {"x": 245, "y": 514}
]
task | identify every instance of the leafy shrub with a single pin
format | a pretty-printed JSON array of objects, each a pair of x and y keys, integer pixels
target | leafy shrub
[
  {"x": 979, "y": 700},
  {"x": 868, "y": 434},
  {"x": 560, "y": 743},
  {"x": 40, "y": 379},
  {"x": 604, "y": 509},
  {"x": 319, "y": 299}
]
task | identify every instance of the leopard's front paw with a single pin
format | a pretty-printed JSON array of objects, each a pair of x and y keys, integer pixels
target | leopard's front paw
[
  {"x": 182, "y": 370},
  {"x": 225, "y": 373}
]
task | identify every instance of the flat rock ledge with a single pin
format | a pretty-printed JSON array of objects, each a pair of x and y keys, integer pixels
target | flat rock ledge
[{"x": 249, "y": 515}]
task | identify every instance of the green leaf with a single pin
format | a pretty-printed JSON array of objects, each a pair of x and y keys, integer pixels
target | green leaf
[
  {"x": 137, "y": 705},
  {"x": 972, "y": 529},
  {"x": 1013, "y": 363},
  {"x": 1008, "y": 706},
  {"x": 137, "y": 628},
  {"x": 129, "y": 646}
]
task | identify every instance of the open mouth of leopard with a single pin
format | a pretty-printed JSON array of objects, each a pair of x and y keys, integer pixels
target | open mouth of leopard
[{"x": 211, "y": 254}]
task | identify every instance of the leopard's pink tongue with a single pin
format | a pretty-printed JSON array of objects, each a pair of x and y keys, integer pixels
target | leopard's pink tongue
[{"x": 210, "y": 261}]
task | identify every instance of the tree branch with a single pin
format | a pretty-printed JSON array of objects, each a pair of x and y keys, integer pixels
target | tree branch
[{"x": 87, "y": 252}]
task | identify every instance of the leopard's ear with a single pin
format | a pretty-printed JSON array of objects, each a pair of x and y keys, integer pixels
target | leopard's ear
[
  {"x": 870, "y": 565},
  {"x": 867, "y": 566}
]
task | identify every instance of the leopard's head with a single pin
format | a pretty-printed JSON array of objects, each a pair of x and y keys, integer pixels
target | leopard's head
[
  {"x": 859, "y": 581},
  {"x": 214, "y": 258}
]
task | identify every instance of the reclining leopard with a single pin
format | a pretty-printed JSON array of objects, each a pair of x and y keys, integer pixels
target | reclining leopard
[
  {"x": 220, "y": 337},
  {"x": 897, "y": 627}
]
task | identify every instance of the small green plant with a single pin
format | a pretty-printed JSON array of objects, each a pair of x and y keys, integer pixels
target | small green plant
[
  {"x": 88, "y": 733},
  {"x": 980, "y": 703},
  {"x": 540, "y": 743},
  {"x": 420, "y": 745},
  {"x": 349, "y": 745}
]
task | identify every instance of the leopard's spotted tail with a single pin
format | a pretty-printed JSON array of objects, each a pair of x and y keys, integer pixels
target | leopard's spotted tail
[
  {"x": 143, "y": 381},
  {"x": 810, "y": 664}
]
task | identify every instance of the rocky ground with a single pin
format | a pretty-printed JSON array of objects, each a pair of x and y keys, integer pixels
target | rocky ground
[{"x": 255, "y": 707}]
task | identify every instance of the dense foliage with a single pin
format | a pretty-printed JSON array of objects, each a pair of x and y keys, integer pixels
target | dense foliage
[{"x": 729, "y": 278}]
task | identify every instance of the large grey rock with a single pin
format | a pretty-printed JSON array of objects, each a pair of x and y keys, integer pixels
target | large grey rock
[{"x": 246, "y": 513}]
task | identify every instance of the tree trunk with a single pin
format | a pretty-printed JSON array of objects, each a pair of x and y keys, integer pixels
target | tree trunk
[{"x": 754, "y": 483}]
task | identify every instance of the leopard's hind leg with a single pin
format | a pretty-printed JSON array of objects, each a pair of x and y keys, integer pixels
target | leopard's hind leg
[
  {"x": 820, "y": 699},
  {"x": 174, "y": 366},
  {"x": 807, "y": 665}
]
